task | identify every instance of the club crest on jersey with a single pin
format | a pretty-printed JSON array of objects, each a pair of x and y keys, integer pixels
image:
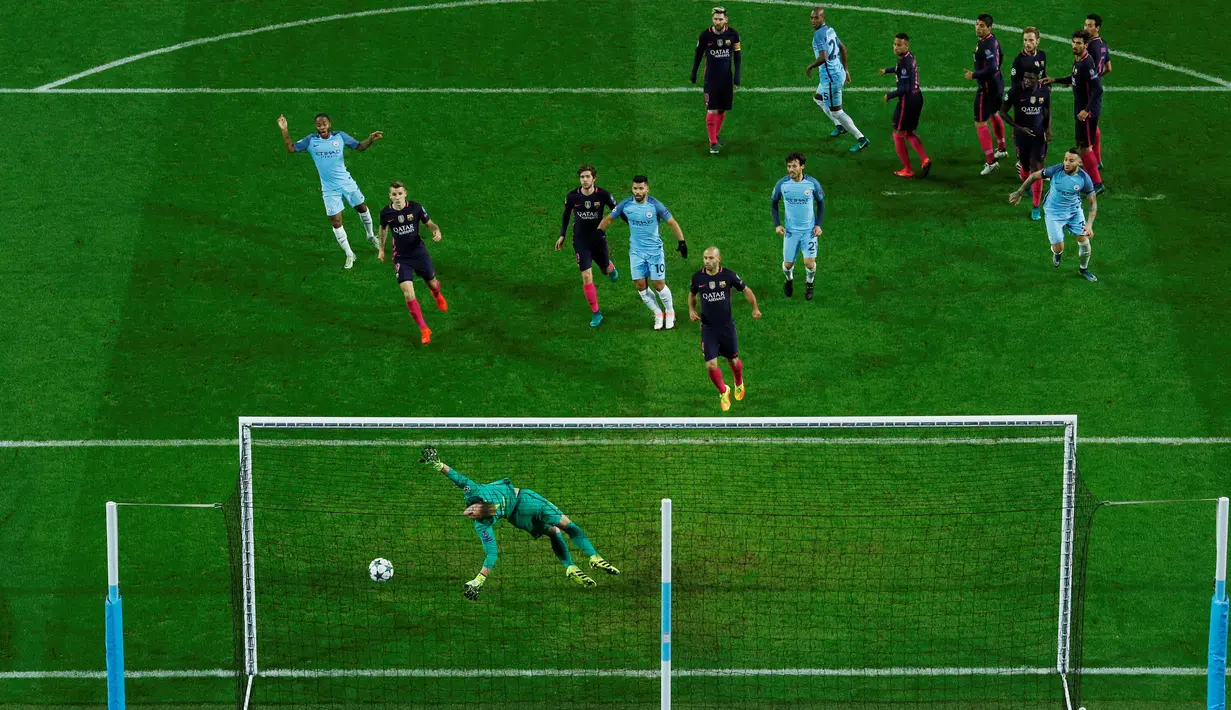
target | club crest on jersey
[
  {"x": 401, "y": 218},
  {"x": 722, "y": 284},
  {"x": 712, "y": 285},
  {"x": 1033, "y": 99},
  {"x": 649, "y": 214},
  {"x": 587, "y": 204},
  {"x": 336, "y": 144},
  {"x": 808, "y": 192}
]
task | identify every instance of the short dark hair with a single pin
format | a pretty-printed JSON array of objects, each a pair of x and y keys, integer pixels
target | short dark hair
[
  {"x": 797, "y": 157},
  {"x": 1082, "y": 35},
  {"x": 322, "y": 115},
  {"x": 1098, "y": 20},
  {"x": 902, "y": 36},
  {"x": 1073, "y": 150},
  {"x": 397, "y": 183},
  {"x": 641, "y": 180},
  {"x": 587, "y": 168},
  {"x": 1030, "y": 74},
  {"x": 985, "y": 19}
]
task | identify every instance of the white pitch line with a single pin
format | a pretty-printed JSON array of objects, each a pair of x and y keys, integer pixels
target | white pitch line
[
  {"x": 472, "y": 3},
  {"x": 1151, "y": 198},
  {"x": 657, "y": 441},
  {"x": 538, "y": 90},
  {"x": 598, "y": 673}
]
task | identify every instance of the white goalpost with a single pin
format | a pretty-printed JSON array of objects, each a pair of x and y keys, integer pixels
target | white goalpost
[{"x": 329, "y": 438}]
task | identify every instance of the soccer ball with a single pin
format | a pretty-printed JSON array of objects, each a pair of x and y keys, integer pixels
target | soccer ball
[{"x": 380, "y": 570}]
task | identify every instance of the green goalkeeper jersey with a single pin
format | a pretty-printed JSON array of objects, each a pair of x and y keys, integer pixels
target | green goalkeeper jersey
[{"x": 498, "y": 493}]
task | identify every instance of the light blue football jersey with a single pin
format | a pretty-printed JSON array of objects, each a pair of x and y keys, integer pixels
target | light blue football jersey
[
  {"x": 327, "y": 154},
  {"x": 643, "y": 219},
  {"x": 804, "y": 202},
  {"x": 1064, "y": 197},
  {"x": 826, "y": 39}
]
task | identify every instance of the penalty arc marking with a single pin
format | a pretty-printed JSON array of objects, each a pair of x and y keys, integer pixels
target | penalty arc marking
[{"x": 474, "y": 3}]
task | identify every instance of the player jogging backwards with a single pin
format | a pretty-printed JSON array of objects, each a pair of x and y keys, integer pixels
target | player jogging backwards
[{"x": 489, "y": 503}]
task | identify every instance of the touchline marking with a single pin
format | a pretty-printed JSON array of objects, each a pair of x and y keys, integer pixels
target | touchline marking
[
  {"x": 543, "y": 89},
  {"x": 473, "y": 3},
  {"x": 599, "y": 673},
  {"x": 574, "y": 441}
]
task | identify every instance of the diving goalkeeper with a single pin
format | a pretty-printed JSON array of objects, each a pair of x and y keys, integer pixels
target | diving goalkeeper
[{"x": 488, "y": 504}]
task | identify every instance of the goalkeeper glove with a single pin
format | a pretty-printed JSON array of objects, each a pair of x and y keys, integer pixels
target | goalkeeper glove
[
  {"x": 682, "y": 248},
  {"x": 470, "y": 589},
  {"x": 431, "y": 458}
]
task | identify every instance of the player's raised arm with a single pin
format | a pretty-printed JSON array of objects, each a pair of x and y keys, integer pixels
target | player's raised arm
[
  {"x": 286, "y": 138},
  {"x": 487, "y": 535},
  {"x": 1016, "y": 195},
  {"x": 367, "y": 142}
]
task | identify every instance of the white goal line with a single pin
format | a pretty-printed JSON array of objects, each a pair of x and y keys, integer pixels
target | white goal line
[
  {"x": 563, "y": 90},
  {"x": 596, "y": 673},
  {"x": 574, "y": 441}
]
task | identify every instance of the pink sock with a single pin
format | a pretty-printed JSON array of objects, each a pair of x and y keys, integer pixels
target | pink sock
[
  {"x": 1036, "y": 192},
  {"x": 722, "y": 118},
  {"x": 413, "y": 307},
  {"x": 1098, "y": 144},
  {"x": 1090, "y": 163},
  {"x": 711, "y": 127},
  {"x": 899, "y": 144},
  {"x": 591, "y": 296},
  {"x": 737, "y": 368},
  {"x": 918, "y": 146},
  {"x": 998, "y": 127},
  {"x": 716, "y": 378},
  {"x": 985, "y": 140}
]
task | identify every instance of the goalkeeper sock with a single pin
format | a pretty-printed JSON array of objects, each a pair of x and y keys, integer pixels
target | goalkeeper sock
[
  {"x": 339, "y": 233},
  {"x": 647, "y": 297},
  {"x": 578, "y": 536},
  {"x": 366, "y": 218},
  {"x": 668, "y": 302},
  {"x": 1083, "y": 253},
  {"x": 561, "y": 550}
]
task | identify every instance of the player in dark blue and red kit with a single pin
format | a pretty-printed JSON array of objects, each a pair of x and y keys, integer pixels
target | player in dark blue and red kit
[
  {"x": 713, "y": 286},
  {"x": 1030, "y": 102},
  {"x": 1102, "y": 59},
  {"x": 989, "y": 93},
  {"x": 910, "y": 106},
  {"x": 1030, "y": 59},
  {"x": 719, "y": 46},
  {"x": 406, "y": 219},
  {"x": 584, "y": 208},
  {"x": 1087, "y": 86}
]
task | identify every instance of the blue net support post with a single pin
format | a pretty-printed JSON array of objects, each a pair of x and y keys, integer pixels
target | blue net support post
[
  {"x": 1216, "y": 675},
  {"x": 114, "y": 615},
  {"x": 665, "y": 670}
]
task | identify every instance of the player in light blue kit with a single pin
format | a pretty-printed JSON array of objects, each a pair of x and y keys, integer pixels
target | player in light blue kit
[
  {"x": 645, "y": 248},
  {"x": 805, "y": 205},
  {"x": 831, "y": 60},
  {"x": 326, "y": 147},
  {"x": 1062, "y": 207}
]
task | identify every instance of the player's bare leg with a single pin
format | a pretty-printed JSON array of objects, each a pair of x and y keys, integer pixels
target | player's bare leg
[
  {"x": 737, "y": 369},
  {"x": 985, "y": 142},
  {"x": 724, "y": 392},
  {"x": 809, "y": 283},
  {"x": 365, "y": 216},
  {"x": 339, "y": 233},
  {"x": 664, "y": 295},
  {"x": 650, "y": 301},
  {"x": 412, "y": 305}
]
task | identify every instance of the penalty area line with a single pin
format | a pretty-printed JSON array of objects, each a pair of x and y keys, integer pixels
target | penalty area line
[
  {"x": 577, "y": 441},
  {"x": 538, "y": 90},
  {"x": 598, "y": 673}
]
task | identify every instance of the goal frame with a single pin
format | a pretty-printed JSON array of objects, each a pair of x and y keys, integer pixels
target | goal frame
[{"x": 1068, "y": 422}]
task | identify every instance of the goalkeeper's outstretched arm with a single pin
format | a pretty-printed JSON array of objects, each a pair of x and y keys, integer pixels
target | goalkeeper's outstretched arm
[{"x": 432, "y": 458}]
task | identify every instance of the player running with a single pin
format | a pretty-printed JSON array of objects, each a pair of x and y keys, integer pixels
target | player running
[
  {"x": 405, "y": 219},
  {"x": 831, "y": 60},
  {"x": 713, "y": 285},
  {"x": 645, "y": 248},
  {"x": 489, "y": 503},
  {"x": 910, "y": 106},
  {"x": 719, "y": 45},
  {"x": 989, "y": 93},
  {"x": 805, "y": 208},
  {"x": 1031, "y": 102},
  {"x": 1087, "y": 86},
  {"x": 1097, "y": 48},
  {"x": 1063, "y": 207},
  {"x": 326, "y": 148},
  {"x": 585, "y": 207}
]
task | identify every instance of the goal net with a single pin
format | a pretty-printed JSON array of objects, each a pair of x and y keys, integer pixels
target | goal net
[{"x": 845, "y": 563}]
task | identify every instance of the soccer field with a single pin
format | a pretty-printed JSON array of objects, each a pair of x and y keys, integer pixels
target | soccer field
[{"x": 170, "y": 267}]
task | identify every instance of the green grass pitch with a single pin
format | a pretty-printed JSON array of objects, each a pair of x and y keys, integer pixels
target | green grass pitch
[{"x": 169, "y": 267}]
